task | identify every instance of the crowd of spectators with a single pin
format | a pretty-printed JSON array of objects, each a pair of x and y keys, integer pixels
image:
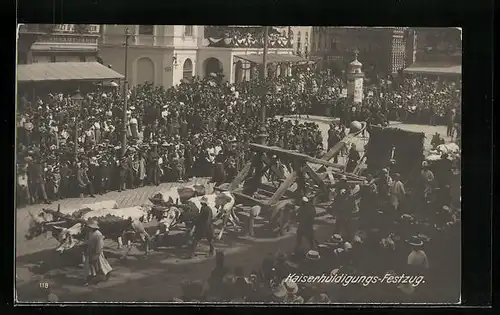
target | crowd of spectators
[
  {"x": 383, "y": 235},
  {"x": 202, "y": 128},
  {"x": 198, "y": 128}
]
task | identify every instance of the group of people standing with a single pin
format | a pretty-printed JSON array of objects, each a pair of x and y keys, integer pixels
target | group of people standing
[{"x": 377, "y": 232}]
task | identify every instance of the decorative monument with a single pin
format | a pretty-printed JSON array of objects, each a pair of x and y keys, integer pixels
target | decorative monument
[{"x": 355, "y": 80}]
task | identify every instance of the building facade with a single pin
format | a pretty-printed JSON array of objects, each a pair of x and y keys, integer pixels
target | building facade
[
  {"x": 159, "y": 54},
  {"x": 58, "y": 43},
  {"x": 437, "y": 45},
  {"x": 164, "y": 55},
  {"x": 381, "y": 49},
  {"x": 300, "y": 38},
  {"x": 385, "y": 49}
]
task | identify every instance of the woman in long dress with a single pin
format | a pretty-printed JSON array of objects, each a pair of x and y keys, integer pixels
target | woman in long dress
[
  {"x": 95, "y": 263},
  {"x": 142, "y": 168}
]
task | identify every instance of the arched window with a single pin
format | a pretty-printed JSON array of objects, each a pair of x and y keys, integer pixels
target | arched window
[
  {"x": 188, "y": 30},
  {"x": 145, "y": 71},
  {"x": 187, "y": 69}
]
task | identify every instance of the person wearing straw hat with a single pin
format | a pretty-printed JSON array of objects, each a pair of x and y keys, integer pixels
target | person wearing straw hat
[
  {"x": 321, "y": 298},
  {"x": 287, "y": 293},
  {"x": 95, "y": 262},
  {"x": 203, "y": 227},
  {"x": 306, "y": 217},
  {"x": 417, "y": 259},
  {"x": 336, "y": 241},
  {"x": 313, "y": 255}
]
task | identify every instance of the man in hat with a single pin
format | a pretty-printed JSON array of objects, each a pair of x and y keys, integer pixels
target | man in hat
[
  {"x": 368, "y": 201},
  {"x": 384, "y": 181},
  {"x": 343, "y": 206},
  {"x": 284, "y": 218},
  {"x": 306, "y": 216},
  {"x": 83, "y": 180},
  {"x": 417, "y": 259},
  {"x": 36, "y": 181},
  {"x": 287, "y": 293},
  {"x": 123, "y": 173},
  {"x": 427, "y": 180},
  {"x": 352, "y": 159},
  {"x": 396, "y": 193},
  {"x": 444, "y": 170},
  {"x": 203, "y": 227},
  {"x": 152, "y": 165},
  {"x": 95, "y": 262},
  {"x": 436, "y": 140},
  {"x": 23, "y": 193},
  {"x": 105, "y": 171},
  {"x": 139, "y": 230},
  {"x": 95, "y": 175}
]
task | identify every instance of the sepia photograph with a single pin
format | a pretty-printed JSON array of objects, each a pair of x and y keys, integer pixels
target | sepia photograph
[{"x": 238, "y": 164}]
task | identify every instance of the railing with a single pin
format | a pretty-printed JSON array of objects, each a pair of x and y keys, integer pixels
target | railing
[
  {"x": 91, "y": 29},
  {"x": 64, "y": 28},
  {"x": 69, "y": 38}
]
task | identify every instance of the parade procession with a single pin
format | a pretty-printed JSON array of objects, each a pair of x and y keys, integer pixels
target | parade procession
[{"x": 298, "y": 183}]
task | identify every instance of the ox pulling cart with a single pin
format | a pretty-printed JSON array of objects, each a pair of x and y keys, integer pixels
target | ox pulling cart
[
  {"x": 170, "y": 214},
  {"x": 68, "y": 226}
]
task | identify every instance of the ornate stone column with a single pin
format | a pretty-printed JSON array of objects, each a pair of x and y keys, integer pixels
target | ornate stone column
[{"x": 355, "y": 79}]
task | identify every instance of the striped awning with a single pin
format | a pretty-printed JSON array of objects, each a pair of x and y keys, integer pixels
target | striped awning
[
  {"x": 271, "y": 58},
  {"x": 435, "y": 69},
  {"x": 65, "y": 71}
]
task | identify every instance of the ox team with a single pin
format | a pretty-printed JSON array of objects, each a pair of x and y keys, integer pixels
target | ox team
[{"x": 198, "y": 212}]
